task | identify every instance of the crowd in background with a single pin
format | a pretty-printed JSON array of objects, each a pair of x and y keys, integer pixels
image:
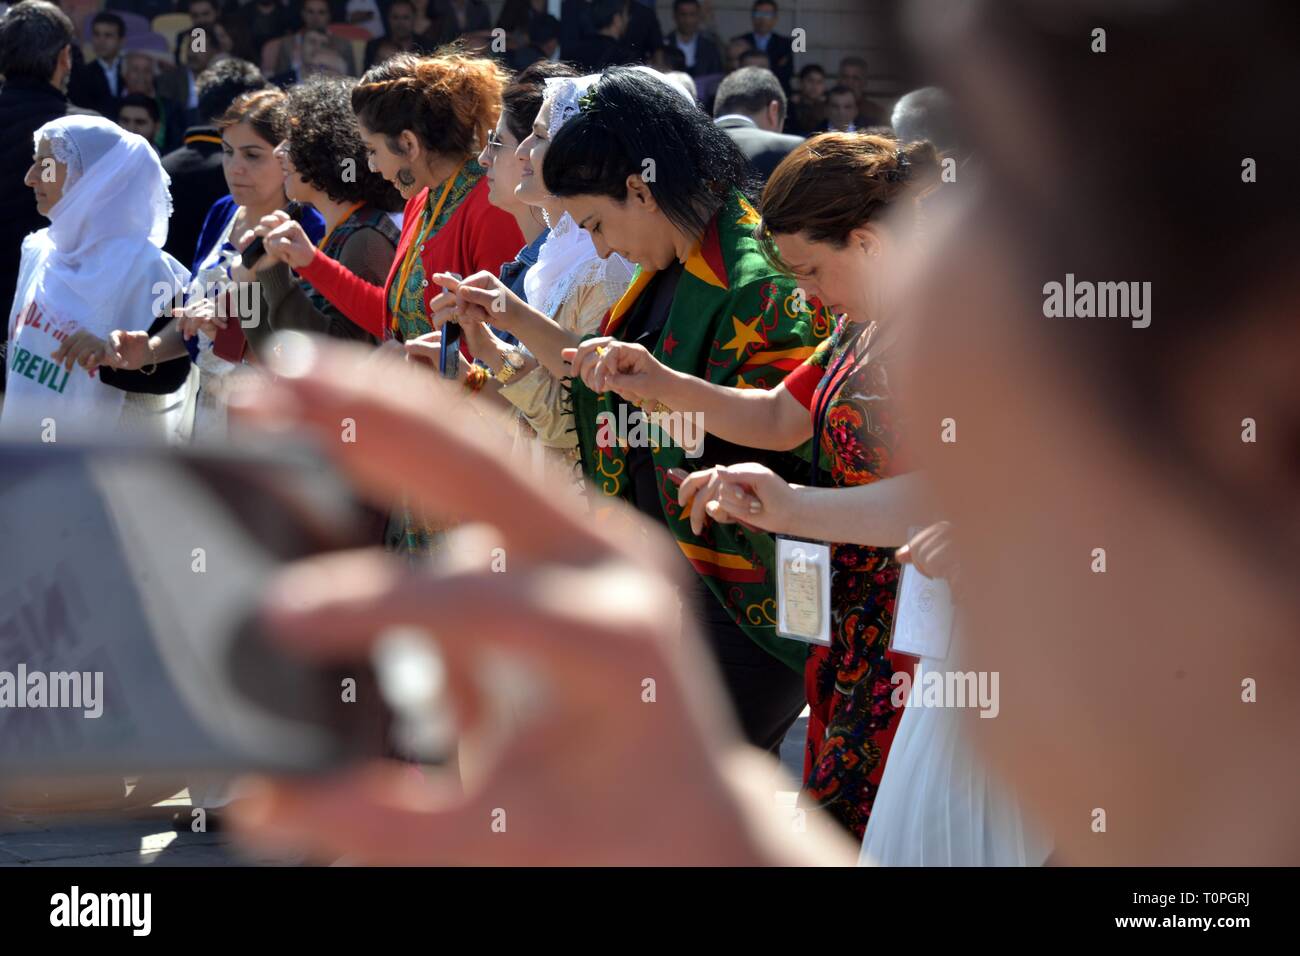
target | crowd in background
[
  {"x": 149, "y": 66},
  {"x": 139, "y": 62}
]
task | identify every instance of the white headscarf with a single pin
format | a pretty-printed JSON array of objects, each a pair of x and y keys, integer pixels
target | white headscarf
[
  {"x": 115, "y": 204},
  {"x": 568, "y": 258},
  {"x": 99, "y": 266}
]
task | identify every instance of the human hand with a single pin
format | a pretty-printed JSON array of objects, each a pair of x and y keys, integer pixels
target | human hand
[
  {"x": 749, "y": 494},
  {"x": 80, "y": 348},
  {"x": 596, "y": 632},
  {"x": 605, "y": 364}
]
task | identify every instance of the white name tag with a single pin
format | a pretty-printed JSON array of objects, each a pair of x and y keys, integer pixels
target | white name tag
[
  {"x": 803, "y": 590},
  {"x": 922, "y": 616}
]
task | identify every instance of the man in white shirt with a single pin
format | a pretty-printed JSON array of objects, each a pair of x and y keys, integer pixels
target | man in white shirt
[
  {"x": 703, "y": 58},
  {"x": 765, "y": 39}
]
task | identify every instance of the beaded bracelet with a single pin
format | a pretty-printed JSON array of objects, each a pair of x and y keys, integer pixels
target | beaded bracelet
[{"x": 476, "y": 377}]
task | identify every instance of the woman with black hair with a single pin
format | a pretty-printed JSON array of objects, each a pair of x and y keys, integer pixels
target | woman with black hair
[
  {"x": 325, "y": 167},
  {"x": 650, "y": 177}
]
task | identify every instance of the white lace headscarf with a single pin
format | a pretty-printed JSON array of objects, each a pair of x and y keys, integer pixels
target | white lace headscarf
[
  {"x": 116, "y": 186},
  {"x": 565, "y": 92},
  {"x": 103, "y": 247},
  {"x": 568, "y": 259}
]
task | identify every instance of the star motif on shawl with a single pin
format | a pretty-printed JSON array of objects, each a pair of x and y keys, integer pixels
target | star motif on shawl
[
  {"x": 670, "y": 343},
  {"x": 746, "y": 335},
  {"x": 748, "y": 214}
]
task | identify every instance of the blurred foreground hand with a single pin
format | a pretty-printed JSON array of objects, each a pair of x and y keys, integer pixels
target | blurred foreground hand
[{"x": 593, "y": 772}]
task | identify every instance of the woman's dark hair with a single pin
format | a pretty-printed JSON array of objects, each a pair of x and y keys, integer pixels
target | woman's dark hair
[
  {"x": 32, "y": 35},
  {"x": 633, "y": 123},
  {"x": 263, "y": 110},
  {"x": 523, "y": 97},
  {"x": 837, "y": 182},
  {"x": 323, "y": 136},
  {"x": 450, "y": 100},
  {"x": 222, "y": 83}
]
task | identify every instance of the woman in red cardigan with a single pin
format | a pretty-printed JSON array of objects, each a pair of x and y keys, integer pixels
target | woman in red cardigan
[{"x": 423, "y": 119}]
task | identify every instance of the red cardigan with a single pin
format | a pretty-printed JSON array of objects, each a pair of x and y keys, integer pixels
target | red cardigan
[{"x": 478, "y": 236}]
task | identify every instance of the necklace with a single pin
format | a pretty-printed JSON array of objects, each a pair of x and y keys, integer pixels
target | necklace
[
  {"x": 342, "y": 219},
  {"x": 422, "y": 234}
]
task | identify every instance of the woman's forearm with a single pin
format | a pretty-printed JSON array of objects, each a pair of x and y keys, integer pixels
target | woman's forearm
[
  {"x": 168, "y": 343},
  {"x": 364, "y": 303},
  {"x": 545, "y": 339},
  {"x": 878, "y": 515},
  {"x": 753, "y": 417}
]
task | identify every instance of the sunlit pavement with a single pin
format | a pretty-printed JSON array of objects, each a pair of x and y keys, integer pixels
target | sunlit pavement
[{"x": 146, "y": 838}]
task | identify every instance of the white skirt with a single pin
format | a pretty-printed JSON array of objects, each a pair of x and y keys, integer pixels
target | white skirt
[{"x": 938, "y": 806}]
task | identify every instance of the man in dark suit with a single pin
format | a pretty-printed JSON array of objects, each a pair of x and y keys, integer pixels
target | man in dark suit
[
  {"x": 765, "y": 39},
  {"x": 195, "y": 168},
  {"x": 98, "y": 85},
  {"x": 604, "y": 46},
  {"x": 703, "y": 58},
  {"x": 36, "y": 42},
  {"x": 750, "y": 107},
  {"x": 643, "y": 34}
]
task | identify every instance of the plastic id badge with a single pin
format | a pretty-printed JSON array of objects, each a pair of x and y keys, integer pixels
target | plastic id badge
[
  {"x": 803, "y": 590},
  {"x": 922, "y": 617}
]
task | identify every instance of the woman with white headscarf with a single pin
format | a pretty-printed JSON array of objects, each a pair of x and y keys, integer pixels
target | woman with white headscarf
[
  {"x": 98, "y": 266},
  {"x": 568, "y": 291}
]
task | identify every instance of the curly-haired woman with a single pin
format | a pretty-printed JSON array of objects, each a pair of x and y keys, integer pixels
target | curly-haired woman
[
  {"x": 324, "y": 162},
  {"x": 423, "y": 121}
]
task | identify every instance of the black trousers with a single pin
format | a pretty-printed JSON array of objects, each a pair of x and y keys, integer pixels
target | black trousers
[{"x": 766, "y": 695}]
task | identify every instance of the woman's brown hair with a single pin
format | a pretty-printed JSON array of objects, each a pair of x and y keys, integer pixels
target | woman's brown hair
[
  {"x": 837, "y": 182},
  {"x": 450, "y": 100},
  {"x": 264, "y": 110}
]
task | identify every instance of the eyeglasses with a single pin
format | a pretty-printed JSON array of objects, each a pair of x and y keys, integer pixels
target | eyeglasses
[{"x": 494, "y": 146}]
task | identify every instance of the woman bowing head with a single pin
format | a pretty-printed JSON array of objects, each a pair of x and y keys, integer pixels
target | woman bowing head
[{"x": 650, "y": 177}]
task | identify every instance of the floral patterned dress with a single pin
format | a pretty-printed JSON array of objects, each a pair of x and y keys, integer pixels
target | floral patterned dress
[{"x": 852, "y": 719}]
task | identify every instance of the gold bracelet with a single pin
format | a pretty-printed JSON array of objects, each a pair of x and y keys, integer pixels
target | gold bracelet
[{"x": 150, "y": 366}]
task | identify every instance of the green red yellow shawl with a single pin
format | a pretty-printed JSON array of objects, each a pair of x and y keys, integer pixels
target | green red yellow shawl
[{"x": 733, "y": 321}]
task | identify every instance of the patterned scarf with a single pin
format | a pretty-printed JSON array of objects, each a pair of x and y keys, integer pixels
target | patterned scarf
[{"x": 736, "y": 322}]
